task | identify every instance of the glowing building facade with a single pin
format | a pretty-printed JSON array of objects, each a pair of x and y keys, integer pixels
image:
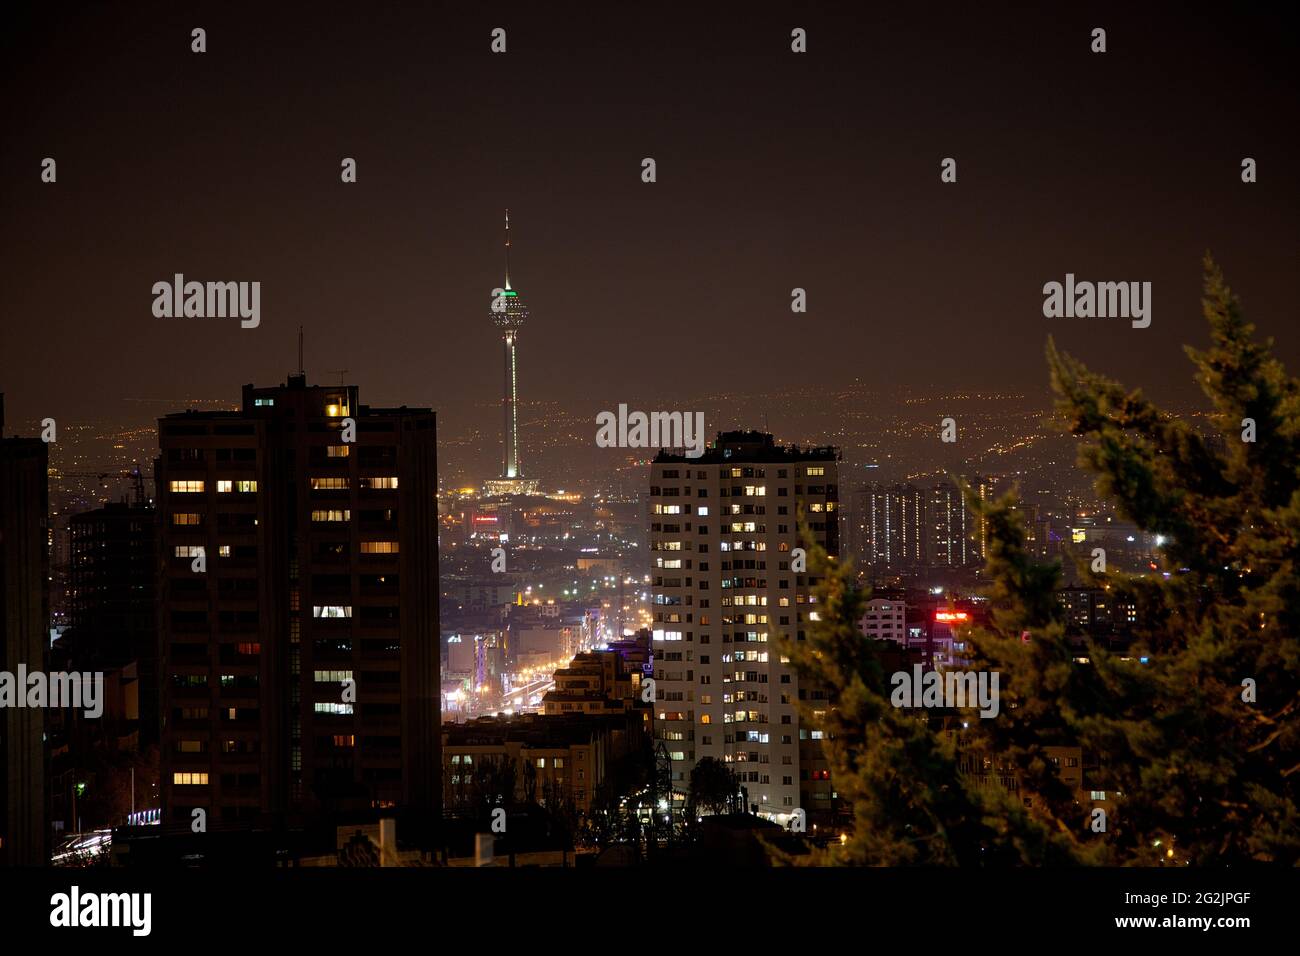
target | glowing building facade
[{"x": 726, "y": 589}]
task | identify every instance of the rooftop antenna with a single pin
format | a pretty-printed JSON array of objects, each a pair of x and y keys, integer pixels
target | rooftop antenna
[
  {"x": 301, "y": 370},
  {"x": 340, "y": 372},
  {"x": 507, "y": 248}
]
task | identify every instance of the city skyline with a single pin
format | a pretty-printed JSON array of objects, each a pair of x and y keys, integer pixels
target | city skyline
[{"x": 782, "y": 448}]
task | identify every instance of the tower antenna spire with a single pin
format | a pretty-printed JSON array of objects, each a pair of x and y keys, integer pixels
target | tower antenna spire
[
  {"x": 507, "y": 248},
  {"x": 301, "y": 369}
]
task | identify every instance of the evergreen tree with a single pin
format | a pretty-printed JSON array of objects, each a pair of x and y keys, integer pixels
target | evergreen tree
[
  {"x": 1201, "y": 743},
  {"x": 898, "y": 769},
  {"x": 1208, "y": 773}
]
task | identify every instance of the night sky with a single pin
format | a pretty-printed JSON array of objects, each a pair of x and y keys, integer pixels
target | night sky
[{"x": 775, "y": 170}]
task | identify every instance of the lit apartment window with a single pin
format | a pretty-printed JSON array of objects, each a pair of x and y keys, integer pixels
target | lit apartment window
[
  {"x": 188, "y": 550},
  {"x": 379, "y": 547},
  {"x": 187, "y": 779},
  {"x": 815, "y": 471},
  {"x": 541, "y": 763},
  {"x": 383, "y": 483},
  {"x": 559, "y": 763},
  {"x": 186, "y": 518},
  {"x": 345, "y": 740},
  {"x": 329, "y": 484},
  {"x": 337, "y": 451},
  {"x": 333, "y": 677},
  {"x": 331, "y": 708},
  {"x": 331, "y": 610},
  {"x": 186, "y": 487},
  {"x": 263, "y": 402},
  {"x": 226, "y": 487},
  {"x": 223, "y": 551},
  {"x": 189, "y": 746},
  {"x": 332, "y": 514}
]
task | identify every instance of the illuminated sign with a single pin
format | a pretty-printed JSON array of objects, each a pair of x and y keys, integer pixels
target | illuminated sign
[{"x": 948, "y": 616}]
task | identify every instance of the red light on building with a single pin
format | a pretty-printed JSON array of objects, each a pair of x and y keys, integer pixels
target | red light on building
[
  {"x": 948, "y": 616},
  {"x": 485, "y": 519}
]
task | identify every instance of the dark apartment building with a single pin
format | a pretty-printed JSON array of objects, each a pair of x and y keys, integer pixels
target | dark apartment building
[
  {"x": 24, "y": 609},
  {"x": 299, "y": 609},
  {"x": 112, "y": 602}
]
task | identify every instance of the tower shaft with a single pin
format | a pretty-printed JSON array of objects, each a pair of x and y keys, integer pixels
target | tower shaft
[{"x": 510, "y": 407}]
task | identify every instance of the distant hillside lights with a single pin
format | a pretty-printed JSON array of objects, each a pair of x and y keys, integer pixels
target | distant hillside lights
[
  {"x": 206, "y": 300},
  {"x": 655, "y": 430}
]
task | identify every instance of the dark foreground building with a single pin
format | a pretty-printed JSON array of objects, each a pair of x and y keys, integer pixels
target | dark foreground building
[
  {"x": 298, "y": 603},
  {"x": 113, "y": 601},
  {"x": 24, "y": 611}
]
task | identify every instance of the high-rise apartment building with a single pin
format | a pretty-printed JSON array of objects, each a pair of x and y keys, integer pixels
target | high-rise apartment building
[
  {"x": 725, "y": 589},
  {"x": 892, "y": 523},
  {"x": 299, "y": 608},
  {"x": 954, "y": 530},
  {"x": 24, "y": 611}
]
